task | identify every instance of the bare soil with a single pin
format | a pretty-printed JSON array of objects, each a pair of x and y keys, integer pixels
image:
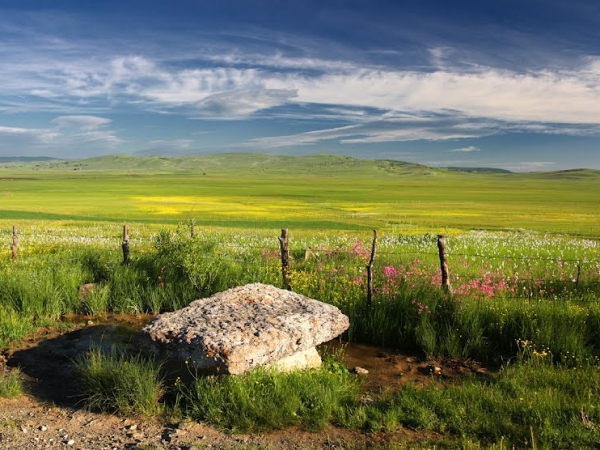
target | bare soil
[{"x": 50, "y": 414}]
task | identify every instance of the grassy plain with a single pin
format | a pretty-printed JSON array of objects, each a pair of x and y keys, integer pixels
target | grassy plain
[
  {"x": 315, "y": 192},
  {"x": 524, "y": 299}
]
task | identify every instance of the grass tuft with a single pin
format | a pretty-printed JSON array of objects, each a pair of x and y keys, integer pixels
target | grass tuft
[
  {"x": 120, "y": 384},
  {"x": 11, "y": 385},
  {"x": 263, "y": 400}
]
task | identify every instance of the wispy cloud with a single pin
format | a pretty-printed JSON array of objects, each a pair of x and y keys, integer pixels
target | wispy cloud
[
  {"x": 81, "y": 122},
  {"x": 468, "y": 149},
  {"x": 241, "y": 103},
  {"x": 407, "y": 128},
  {"x": 236, "y": 90},
  {"x": 73, "y": 136},
  {"x": 299, "y": 89}
]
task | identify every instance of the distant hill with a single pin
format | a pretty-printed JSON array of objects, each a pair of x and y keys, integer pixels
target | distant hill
[
  {"x": 573, "y": 174},
  {"x": 278, "y": 165},
  {"x": 324, "y": 165}
]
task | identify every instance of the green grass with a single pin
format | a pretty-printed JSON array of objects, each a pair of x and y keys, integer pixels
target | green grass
[
  {"x": 520, "y": 297},
  {"x": 530, "y": 405},
  {"x": 260, "y": 191},
  {"x": 120, "y": 384},
  {"x": 10, "y": 384},
  {"x": 264, "y": 400}
]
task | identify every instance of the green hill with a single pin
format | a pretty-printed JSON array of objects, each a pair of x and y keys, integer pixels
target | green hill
[
  {"x": 250, "y": 163},
  {"x": 261, "y": 163}
]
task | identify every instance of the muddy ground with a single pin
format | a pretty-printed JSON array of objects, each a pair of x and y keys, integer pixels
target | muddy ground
[{"x": 50, "y": 414}]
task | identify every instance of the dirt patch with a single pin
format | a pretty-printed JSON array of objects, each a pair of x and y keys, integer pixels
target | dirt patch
[{"x": 50, "y": 415}]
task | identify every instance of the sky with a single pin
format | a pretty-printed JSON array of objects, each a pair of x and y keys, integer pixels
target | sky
[{"x": 512, "y": 84}]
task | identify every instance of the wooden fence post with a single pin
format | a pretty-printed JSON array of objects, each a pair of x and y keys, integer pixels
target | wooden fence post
[
  {"x": 578, "y": 275},
  {"x": 125, "y": 244},
  {"x": 192, "y": 224},
  {"x": 370, "y": 270},
  {"x": 15, "y": 243},
  {"x": 441, "y": 243},
  {"x": 285, "y": 259}
]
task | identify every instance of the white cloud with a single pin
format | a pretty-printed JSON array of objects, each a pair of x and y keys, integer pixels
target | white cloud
[
  {"x": 81, "y": 81},
  {"x": 566, "y": 96},
  {"x": 81, "y": 122},
  {"x": 234, "y": 104},
  {"x": 468, "y": 149},
  {"x": 14, "y": 136},
  {"x": 74, "y": 136},
  {"x": 500, "y": 95},
  {"x": 410, "y": 128}
]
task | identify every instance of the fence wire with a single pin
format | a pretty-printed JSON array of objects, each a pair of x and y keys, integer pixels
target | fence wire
[{"x": 588, "y": 269}]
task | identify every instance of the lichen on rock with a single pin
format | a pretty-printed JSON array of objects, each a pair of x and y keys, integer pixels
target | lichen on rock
[{"x": 243, "y": 328}]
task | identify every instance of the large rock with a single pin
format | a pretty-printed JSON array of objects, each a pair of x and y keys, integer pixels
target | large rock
[{"x": 243, "y": 328}]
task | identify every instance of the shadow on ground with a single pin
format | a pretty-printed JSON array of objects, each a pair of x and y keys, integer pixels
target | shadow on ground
[{"x": 48, "y": 361}]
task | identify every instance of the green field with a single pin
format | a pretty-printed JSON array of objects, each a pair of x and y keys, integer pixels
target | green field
[
  {"x": 313, "y": 192},
  {"x": 524, "y": 260}
]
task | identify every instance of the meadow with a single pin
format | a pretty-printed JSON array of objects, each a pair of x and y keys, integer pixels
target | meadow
[
  {"x": 314, "y": 192},
  {"x": 524, "y": 266}
]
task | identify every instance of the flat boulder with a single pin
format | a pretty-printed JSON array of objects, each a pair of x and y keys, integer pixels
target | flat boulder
[{"x": 243, "y": 328}]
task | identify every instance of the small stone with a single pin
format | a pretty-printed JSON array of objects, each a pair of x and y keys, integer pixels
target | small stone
[
  {"x": 366, "y": 399},
  {"x": 434, "y": 370},
  {"x": 70, "y": 442},
  {"x": 23, "y": 429},
  {"x": 43, "y": 428},
  {"x": 360, "y": 371}
]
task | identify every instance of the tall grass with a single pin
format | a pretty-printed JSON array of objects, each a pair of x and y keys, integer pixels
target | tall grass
[
  {"x": 530, "y": 405},
  {"x": 263, "y": 400},
  {"x": 495, "y": 303},
  {"x": 527, "y": 308},
  {"x": 119, "y": 383},
  {"x": 10, "y": 384}
]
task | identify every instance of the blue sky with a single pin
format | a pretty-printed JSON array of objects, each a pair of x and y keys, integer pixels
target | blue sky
[{"x": 509, "y": 84}]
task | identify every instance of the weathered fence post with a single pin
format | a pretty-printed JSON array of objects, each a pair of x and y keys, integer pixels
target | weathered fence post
[
  {"x": 370, "y": 270},
  {"x": 285, "y": 259},
  {"x": 125, "y": 244},
  {"x": 578, "y": 275},
  {"x": 15, "y": 243},
  {"x": 441, "y": 243},
  {"x": 192, "y": 228}
]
